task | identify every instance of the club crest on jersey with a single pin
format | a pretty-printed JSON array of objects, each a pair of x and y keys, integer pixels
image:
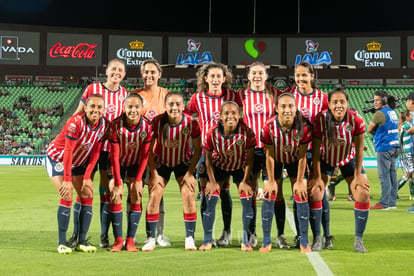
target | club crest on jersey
[
  {"x": 306, "y": 113},
  {"x": 348, "y": 128},
  {"x": 132, "y": 145},
  {"x": 143, "y": 134},
  {"x": 316, "y": 100},
  {"x": 110, "y": 109},
  {"x": 287, "y": 148},
  {"x": 185, "y": 131},
  {"x": 258, "y": 108},
  {"x": 121, "y": 98},
  {"x": 239, "y": 142},
  {"x": 230, "y": 153},
  {"x": 59, "y": 167},
  {"x": 100, "y": 135},
  {"x": 151, "y": 113}
]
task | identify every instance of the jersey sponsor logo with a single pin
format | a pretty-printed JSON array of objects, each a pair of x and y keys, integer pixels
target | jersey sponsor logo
[
  {"x": 59, "y": 167},
  {"x": 132, "y": 146},
  {"x": 72, "y": 127},
  {"x": 230, "y": 153},
  {"x": 110, "y": 109},
  {"x": 86, "y": 146},
  {"x": 173, "y": 143},
  {"x": 339, "y": 142},
  {"x": 306, "y": 113},
  {"x": 287, "y": 148},
  {"x": 258, "y": 108},
  {"x": 216, "y": 116}
]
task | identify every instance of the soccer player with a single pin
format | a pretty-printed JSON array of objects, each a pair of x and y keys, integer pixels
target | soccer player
[
  {"x": 338, "y": 140},
  {"x": 173, "y": 131},
  {"x": 154, "y": 99},
  {"x": 286, "y": 137},
  {"x": 130, "y": 136},
  {"x": 213, "y": 88},
  {"x": 114, "y": 95},
  {"x": 258, "y": 99},
  {"x": 69, "y": 162},
  {"x": 229, "y": 149},
  {"x": 310, "y": 101}
]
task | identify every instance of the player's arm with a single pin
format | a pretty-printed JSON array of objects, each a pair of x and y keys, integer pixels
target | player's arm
[
  {"x": 299, "y": 187},
  {"x": 188, "y": 178},
  {"x": 244, "y": 187}
]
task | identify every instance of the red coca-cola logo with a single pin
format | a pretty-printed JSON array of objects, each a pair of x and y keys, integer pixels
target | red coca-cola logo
[{"x": 81, "y": 51}]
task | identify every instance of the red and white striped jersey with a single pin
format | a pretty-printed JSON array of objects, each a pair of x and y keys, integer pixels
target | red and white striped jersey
[
  {"x": 257, "y": 109},
  {"x": 310, "y": 104},
  {"x": 286, "y": 143},
  {"x": 130, "y": 138},
  {"x": 173, "y": 141},
  {"x": 208, "y": 108},
  {"x": 229, "y": 152},
  {"x": 114, "y": 100},
  {"x": 77, "y": 129},
  {"x": 341, "y": 150}
]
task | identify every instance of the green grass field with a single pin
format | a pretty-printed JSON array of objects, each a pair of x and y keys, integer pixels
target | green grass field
[{"x": 28, "y": 238}]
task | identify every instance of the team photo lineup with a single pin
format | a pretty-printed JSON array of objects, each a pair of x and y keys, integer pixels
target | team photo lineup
[{"x": 254, "y": 137}]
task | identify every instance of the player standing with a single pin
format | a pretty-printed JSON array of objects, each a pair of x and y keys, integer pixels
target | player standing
[
  {"x": 69, "y": 162},
  {"x": 130, "y": 136},
  {"x": 338, "y": 140},
  {"x": 173, "y": 131}
]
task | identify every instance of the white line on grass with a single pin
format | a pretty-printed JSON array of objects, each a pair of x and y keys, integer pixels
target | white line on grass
[{"x": 321, "y": 268}]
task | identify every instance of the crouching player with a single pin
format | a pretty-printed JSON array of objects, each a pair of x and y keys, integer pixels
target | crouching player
[
  {"x": 70, "y": 160},
  {"x": 229, "y": 149},
  {"x": 338, "y": 140},
  {"x": 286, "y": 137},
  {"x": 173, "y": 131},
  {"x": 130, "y": 136}
]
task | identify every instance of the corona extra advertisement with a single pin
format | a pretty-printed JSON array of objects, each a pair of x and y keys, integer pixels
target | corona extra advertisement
[
  {"x": 245, "y": 51},
  {"x": 135, "y": 49},
  {"x": 74, "y": 49},
  {"x": 373, "y": 52},
  {"x": 316, "y": 51},
  {"x": 194, "y": 50},
  {"x": 19, "y": 48}
]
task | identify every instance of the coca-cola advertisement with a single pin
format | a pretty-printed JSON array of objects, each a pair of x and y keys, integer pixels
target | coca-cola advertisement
[{"x": 74, "y": 49}]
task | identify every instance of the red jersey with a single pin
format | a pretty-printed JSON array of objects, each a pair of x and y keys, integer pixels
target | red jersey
[
  {"x": 286, "y": 143},
  {"x": 340, "y": 151},
  {"x": 208, "y": 108},
  {"x": 310, "y": 104},
  {"x": 130, "y": 138},
  {"x": 173, "y": 141},
  {"x": 257, "y": 109},
  {"x": 229, "y": 152},
  {"x": 114, "y": 101},
  {"x": 82, "y": 137}
]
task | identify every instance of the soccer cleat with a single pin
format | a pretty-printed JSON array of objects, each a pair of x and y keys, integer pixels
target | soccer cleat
[
  {"x": 253, "y": 240},
  {"x": 266, "y": 249},
  {"x": 328, "y": 242},
  {"x": 163, "y": 241},
  {"x": 245, "y": 248},
  {"x": 306, "y": 250},
  {"x": 189, "y": 244},
  {"x": 104, "y": 241},
  {"x": 64, "y": 249},
  {"x": 86, "y": 247},
  {"x": 149, "y": 245},
  {"x": 317, "y": 244},
  {"x": 359, "y": 246},
  {"x": 411, "y": 209},
  {"x": 296, "y": 242},
  {"x": 130, "y": 245},
  {"x": 73, "y": 241},
  {"x": 225, "y": 238},
  {"x": 118, "y": 245},
  {"x": 281, "y": 242},
  {"x": 205, "y": 247},
  {"x": 378, "y": 207}
]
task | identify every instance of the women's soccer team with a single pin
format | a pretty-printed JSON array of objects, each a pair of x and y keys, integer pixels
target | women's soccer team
[{"x": 140, "y": 138}]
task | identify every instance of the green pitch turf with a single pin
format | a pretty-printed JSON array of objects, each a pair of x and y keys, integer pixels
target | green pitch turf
[{"x": 28, "y": 237}]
